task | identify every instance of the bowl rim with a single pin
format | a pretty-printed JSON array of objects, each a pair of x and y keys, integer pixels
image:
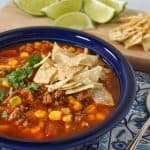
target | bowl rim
[{"x": 121, "y": 110}]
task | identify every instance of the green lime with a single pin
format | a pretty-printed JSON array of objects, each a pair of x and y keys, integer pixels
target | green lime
[
  {"x": 76, "y": 20},
  {"x": 117, "y": 5},
  {"x": 98, "y": 11},
  {"x": 59, "y": 8},
  {"x": 33, "y": 7}
]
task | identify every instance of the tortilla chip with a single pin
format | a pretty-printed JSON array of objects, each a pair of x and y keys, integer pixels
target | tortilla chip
[
  {"x": 42, "y": 61},
  {"x": 59, "y": 56},
  {"x": 64, "y": 71},
  {"x": 146, "y": 42},
  {"x": 90, "y": 76},
  {"x": 134, "y": 40},
  {"x": 79, "y": 89},
  {"x": 69, "y": 86},
  {"x": 102, "y": 96},
  {"x": 45, "y": 73},
  {"x": 57, "y": 85}
]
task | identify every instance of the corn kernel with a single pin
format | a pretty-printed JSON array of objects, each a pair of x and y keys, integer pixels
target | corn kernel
[
  {"x": 12, "y": 62},
  {"x": 15, "y": 101},
  {"x": 65, "y": 110},
  {"x": 37, "y": 45},
  {"x": 84, "y": 124},
  {"x": 78, "y": 51},
  {"x": 91, "y": 117},
  {"x": 77, "y": 106},
  {"x": 40, "y": 114},
  {"x": 55, "y": 115},
  {"x": 67, "y": 118},
  {"x": 100, "y": 116},
  {"x": 91, "y": 108},
  {"x": 24, "y": 55},
  {"x": 72, "y": 100},
  {"x": 71, "y": 49},
  {"x": 5, "y": 83}
]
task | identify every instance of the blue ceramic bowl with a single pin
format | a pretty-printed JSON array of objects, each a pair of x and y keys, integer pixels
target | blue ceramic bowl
[{"x": 110, "y": 54}]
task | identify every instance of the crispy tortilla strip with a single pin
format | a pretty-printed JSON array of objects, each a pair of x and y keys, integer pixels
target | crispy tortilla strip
[
  {"x": 128, "y": 18},
  {"x": 64, "y": 71},
  {"x": 146, "y": 42},
  {"x": 134, "y": 40},
  {"x": 69, "y": 86},
  {"x": 90, "y": 76},
  {"x": 59, "y": 56},
  {"x": 58, "y": 85},
  {"x": 79, "y": 89},
  {"x": 45, "y": 73},
  {"x": 42, "y": 61},
  {"x": 85, "y": 60},
  {"x": 121, "y": 36},
  {"x": 102, "y": 96}
]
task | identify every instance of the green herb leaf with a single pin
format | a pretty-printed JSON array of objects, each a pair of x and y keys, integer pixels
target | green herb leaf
[
  {"x": 4, "y": 114},
  {"x": 17, "y": 78},
  {"x": 34, "y": 59},
  {"x": 33, "y": 86},
  {"x": 2, "y": 94}
]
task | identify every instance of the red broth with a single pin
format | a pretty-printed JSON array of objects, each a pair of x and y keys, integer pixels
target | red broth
[{"x": 37, "y": 114}]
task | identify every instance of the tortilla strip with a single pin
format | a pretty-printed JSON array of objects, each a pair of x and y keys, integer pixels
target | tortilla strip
[
  {"x": 90, "y": 76},
  {"x": 59, "y": 56},
  {"x": 45, "y": 73},
  {"x": 42, "y": 61},
  {"x": 64, "y": 71},
  {"x": 79, "y": 89},
  {"x": 71, "y": 87},
  {"x": 57, "y": 85},
  {"x": 134, "y": 40},
  {"x": 101, "y": 95},
  {"x": 146, "y": 42}
]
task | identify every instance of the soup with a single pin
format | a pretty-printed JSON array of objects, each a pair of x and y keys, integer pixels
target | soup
[{"x": 50, "y": 90}]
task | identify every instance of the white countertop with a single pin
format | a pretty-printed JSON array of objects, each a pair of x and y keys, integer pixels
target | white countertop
[{"x": 143, "y": 5}]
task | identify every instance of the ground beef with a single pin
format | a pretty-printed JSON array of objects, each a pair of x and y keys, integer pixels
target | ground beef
[
  {"x": 84, "y": 95},
  {"x": 18, "y": 115},
  {"x": 15, "y": 114},
  {"x": 79, "y": 116},
  {"x": 59, "y": 94},
  {"x": 47, "y": 98}
]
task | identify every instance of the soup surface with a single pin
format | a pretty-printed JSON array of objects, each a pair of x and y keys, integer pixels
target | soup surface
[{"x": 50, "y": 90}]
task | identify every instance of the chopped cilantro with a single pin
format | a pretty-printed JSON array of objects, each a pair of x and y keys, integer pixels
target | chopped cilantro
[
  {"x": 33, "y": 86},
  {"x": 2, "y": 94},
  {"x": 17, "y": 78},
  {"x": 4, "y": 114},
  {"x": 34, "y": 59}
]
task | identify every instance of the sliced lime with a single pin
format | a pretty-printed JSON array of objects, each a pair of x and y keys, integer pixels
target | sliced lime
[
  {"x": 117, "y": 5},
  {"x": 76, "y": 20},
  {"x": 33, "y": 7},
  {"x": 59, "y": 8},
  {"x": 98, "y": 11}
]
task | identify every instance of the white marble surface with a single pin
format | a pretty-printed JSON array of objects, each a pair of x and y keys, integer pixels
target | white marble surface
[{"x": 143, "y": 5}]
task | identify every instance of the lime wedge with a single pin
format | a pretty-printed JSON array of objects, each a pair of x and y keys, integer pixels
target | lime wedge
[
  {"x": 117, "y": 5},
  {"x": 33, "y": 7},
  {"x": 76, "y": 20},
  {"x": 98, "y": 11},
  {"x": 59, "y": 8}
]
